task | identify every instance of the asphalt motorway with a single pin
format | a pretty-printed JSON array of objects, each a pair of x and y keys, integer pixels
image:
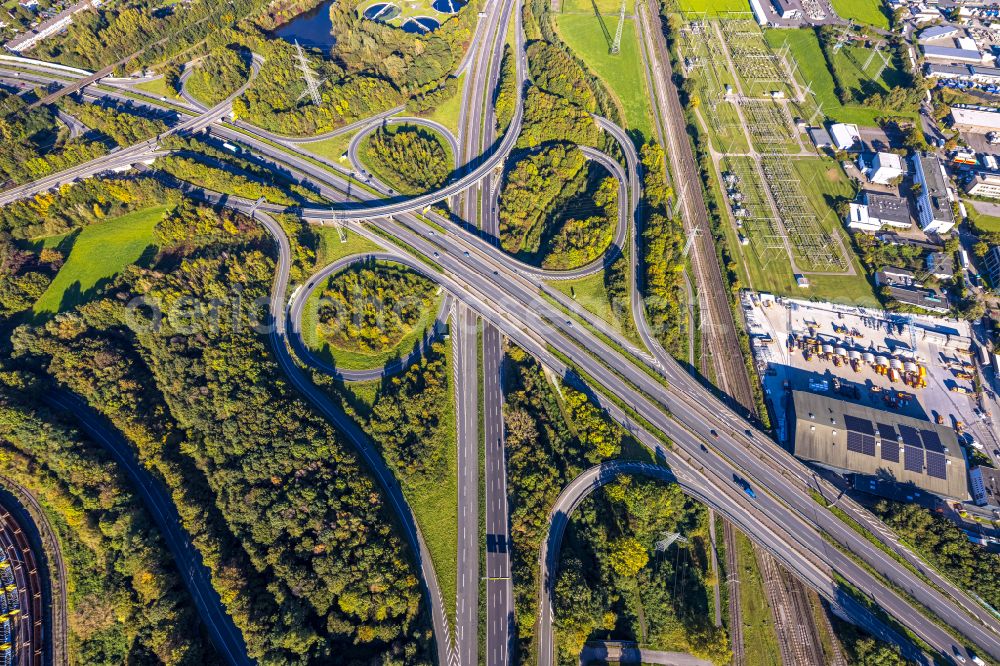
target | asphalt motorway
[
  {"x": 689, "y": 412},
  {"x": 698, "y": 413},
  {"x": 499, "y": 588},
  {"x": 465, "y": 341}
]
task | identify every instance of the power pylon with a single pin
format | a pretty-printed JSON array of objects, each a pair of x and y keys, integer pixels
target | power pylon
[
  {"x": 668, "y": 539},
  {"x": 616, "y": 45},
  {"x": 312, "y": 84}
]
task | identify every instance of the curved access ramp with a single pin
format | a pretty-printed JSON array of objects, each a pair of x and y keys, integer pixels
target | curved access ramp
[
  {"x": 548, "y": 559},
  {"x": 345, "y": 424},
  {"x": 355, "y": 145},
  {"x": 302, "y": 295}
]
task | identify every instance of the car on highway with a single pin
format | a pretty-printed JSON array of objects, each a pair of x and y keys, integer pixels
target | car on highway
[
  {"x": 745, "y": 485},
  {"x": 957, "y": 652}
]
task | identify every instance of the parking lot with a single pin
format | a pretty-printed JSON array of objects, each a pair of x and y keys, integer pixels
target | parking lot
[{"x": 879, "y": 359}]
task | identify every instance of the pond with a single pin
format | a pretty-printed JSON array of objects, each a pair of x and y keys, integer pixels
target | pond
[
  {"x": 312, "y": 28},
  {"x": 420, "y": 25}
]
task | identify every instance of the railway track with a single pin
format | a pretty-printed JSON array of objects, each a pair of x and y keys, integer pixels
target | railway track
[
  {"x": 718, "y": 326},
  {"x": 733, "y": 586},
  {"x": 802, "y": 609},
  {"x": 779, "y": 600},
  {"x": 23, "y": 592},
  {"x": 57, "y": 570}
]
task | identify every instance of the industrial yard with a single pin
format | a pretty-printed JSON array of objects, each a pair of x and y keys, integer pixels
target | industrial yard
[{"x": 914, "y": 365}]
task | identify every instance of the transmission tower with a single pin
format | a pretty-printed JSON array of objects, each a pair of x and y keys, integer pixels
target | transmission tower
[
  {"x": 668, "y": 540},
  {"x": 616, "y": 45},
  {"x": 312, "y": 85},
  {"x": 690, "y": 241}
]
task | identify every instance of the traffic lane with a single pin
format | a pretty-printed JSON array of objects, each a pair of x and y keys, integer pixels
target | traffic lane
[
  {"x": 465, "y": 347},
  {"x": 834, "y": 524},
  {"x": 652, "y": 413},
  {"x": 524, "y": 337}
]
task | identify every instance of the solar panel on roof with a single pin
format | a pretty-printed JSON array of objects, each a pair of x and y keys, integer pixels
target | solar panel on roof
[
  {"x": 886, "y": 431},
  {"x": 909, "y": 435},
  {"x": 854, "y": 442},
  {"x": 913, "y": 459},
  {"x": 937, "y": 465},
  {"x": 859, "y": 425},
  {"x": 868, "y": 445},
  {"x": 932, "y": 441},
  {"x": 890, "y": 449}
]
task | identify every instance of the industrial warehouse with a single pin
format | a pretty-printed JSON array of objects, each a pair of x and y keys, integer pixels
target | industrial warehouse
[{"x": 896, "y": 450}]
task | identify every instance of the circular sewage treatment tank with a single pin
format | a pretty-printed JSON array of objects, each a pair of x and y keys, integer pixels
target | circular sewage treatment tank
[
  {"x": 382, "y": 11},
  {"x": 421, "y": 25},
  {"x": 448, "y": 6}
]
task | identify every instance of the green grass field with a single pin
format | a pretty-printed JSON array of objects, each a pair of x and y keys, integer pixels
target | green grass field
[
  {"x": 350, "y": 359},
  {"x": 982, "y": 223},
  {"x": 332, "y": 149},
  {"x": 805, "y": 49},
  {"x": 850, "y": 63},
  {"x": 606, "y": 7},
  {"x": 99, "y": 253},
  {"x": 760, "y": 640},
  {"x": 330, "y": 247},
  {"x": 591, "y": 294},
  {"x": 447, "y": 113},
  {"x": 862, "y": 11},
  {"x": 623, "y": 74},
  {"x": 157, "y": 87}
]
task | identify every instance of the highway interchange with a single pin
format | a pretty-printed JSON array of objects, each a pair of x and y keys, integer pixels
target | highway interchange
[{"x": 645, "y": 390}]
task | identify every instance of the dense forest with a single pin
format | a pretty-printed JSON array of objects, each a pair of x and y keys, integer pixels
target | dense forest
[
  {"x": 613, "y": 584},
  {"x": 372, "y": 67},
  {"x": 408, "y": 158},
  {"x": 662, "y": 250},
  {"x": 115, "y": 124},
  {"x": 126, "y": 601},
  {"x": 295, "y": 532},
  {"x": 24, "y": 274},
  {"x": 946, "y": 547},
  {"x": 505, "y": 96},
  {"x": 219, "y": 74},
  {"x": 544, "y": 454},
  {"x": 80, "y": 204},
  {"x": 371, "y": 307},
  {"x": 556, "y": 208},
  {"x": 112, "y": 31},
  {"x": 33, "y": 144}
]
